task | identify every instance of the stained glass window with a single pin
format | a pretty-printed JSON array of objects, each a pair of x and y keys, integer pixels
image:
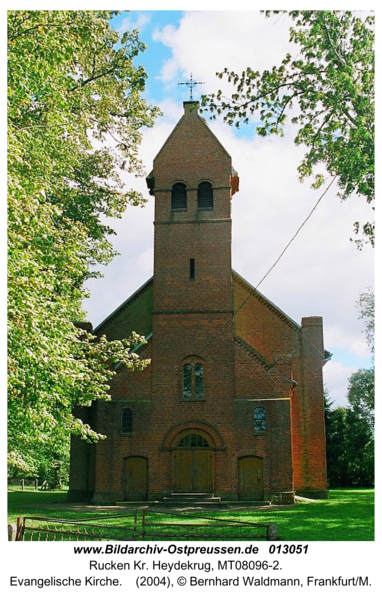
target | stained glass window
[
  {"x": 193, "y": 380},
  {"x": 198, "y": 372},
  {"x": 259, "y": 419},
  {"x": 187, "y": 381}
]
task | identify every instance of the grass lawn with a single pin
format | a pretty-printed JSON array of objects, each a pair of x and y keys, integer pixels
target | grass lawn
[{"x": 348, "y": 515}]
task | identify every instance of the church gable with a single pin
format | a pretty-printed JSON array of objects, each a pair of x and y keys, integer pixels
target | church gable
[
  {"x": 261, "y": 324},
  {"x": 135, "y": 314}
]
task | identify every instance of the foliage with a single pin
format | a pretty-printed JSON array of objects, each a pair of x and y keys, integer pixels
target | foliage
[
  {"x": 361, "y": 391},
  {"x": 75, "y": 114},
  {"x": 49, "y": 462},
  {"x": 349, "y": 445},
  {"x": 328, "y": 88},
  {"x": 366, "y": 308}
]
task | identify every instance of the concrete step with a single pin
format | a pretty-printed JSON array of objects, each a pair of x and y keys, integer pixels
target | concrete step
[
  {"x": 192, "y": 499},
  {"x": 185, "y": 502},
  {"x": 191, "y": 496}
]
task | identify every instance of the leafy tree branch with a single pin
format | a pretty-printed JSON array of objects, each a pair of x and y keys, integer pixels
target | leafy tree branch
[
  {"x": 328, "y": 88},
  {"x": 61, "y": 188}
]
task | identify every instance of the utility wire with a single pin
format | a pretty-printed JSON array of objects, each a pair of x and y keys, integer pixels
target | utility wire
[{"x": 251, "y": 293}]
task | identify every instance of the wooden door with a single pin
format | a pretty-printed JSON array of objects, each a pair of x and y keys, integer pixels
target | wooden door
[
  {"x": 202, "y": 471},
  {"x": 250, "y": 475},
  {"x": 136, "y": 478},
  {"x": 193, "y": 471},
  {"x": 183, "y": 460}
]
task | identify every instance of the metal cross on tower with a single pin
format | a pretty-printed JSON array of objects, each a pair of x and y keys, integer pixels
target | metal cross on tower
[{"x": 191, "y": 84}]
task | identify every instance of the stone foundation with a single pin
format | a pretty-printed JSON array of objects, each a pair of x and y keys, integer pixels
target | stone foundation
[
  {"x": 80, "y": 496},
  {"x": 107, "y": 498},
  {"x": 314, "y": 494},
  {"x": 279, "y": 498}
]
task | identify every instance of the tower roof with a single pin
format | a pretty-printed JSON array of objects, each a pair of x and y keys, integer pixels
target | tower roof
[{"x": 191, "y": 142}]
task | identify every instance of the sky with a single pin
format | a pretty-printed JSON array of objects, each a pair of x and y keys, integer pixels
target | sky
[{"x": 322, "y": 272}]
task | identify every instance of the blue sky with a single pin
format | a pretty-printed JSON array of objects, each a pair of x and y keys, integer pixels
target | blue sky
[
  {"x": 322, "y": 273},
  {"x": 156, "y": 52}
]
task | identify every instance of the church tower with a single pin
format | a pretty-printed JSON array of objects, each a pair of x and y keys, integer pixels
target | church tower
[{"x": 192, "y": 345}]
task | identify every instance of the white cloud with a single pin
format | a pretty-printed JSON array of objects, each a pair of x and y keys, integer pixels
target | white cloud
[
  {"x": 208, "y": 41},
  {"x": 136, "y": 20},
  {"x": 336, "y": 377}
]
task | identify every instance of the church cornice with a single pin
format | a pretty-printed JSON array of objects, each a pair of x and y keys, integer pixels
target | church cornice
[
  {"x": 252, "y": 353},
  {"x": 188, "y": 221},
  {"x": 193, "y": 188},
  {"x": 200, "y": 311}
]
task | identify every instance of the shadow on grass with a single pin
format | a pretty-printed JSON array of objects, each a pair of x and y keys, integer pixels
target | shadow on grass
[{"x": 348, "y": 515}]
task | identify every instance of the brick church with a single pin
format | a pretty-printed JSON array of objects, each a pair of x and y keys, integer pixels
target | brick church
[{"x": 232, "y": 401}]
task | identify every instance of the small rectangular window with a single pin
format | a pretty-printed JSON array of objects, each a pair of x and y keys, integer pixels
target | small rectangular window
[
  {"x": 126, "y": 421},
  {"x": 192, "y": 268}
]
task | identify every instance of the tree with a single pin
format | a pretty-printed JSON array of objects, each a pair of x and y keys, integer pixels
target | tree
[
  {"x": 366, "y": 309},
  {"x": 361, "y": 395},
  {"x": 350, "y": 449},
  {"x": 331, "y": 82},
  {"x": 361, "y": 389},
  {"x": 350, "y": 435},
  {"x": 75, "y": 115}
]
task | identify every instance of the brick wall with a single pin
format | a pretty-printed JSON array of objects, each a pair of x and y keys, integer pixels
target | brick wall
[
  {"x": 249, "y": 357},
  {"x": 308, "y": 416}
]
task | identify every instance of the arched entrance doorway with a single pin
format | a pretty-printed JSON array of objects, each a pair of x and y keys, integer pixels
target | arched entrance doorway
[{"x": 193, "y": 462}]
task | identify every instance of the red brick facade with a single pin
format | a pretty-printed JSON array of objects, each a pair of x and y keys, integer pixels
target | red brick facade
[{"x": 217, "y": 410}]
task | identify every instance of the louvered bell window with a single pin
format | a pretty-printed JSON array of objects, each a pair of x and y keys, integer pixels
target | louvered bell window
[
  {"x": 205, "y": 195},
  {"x": 179, "y": 196}
]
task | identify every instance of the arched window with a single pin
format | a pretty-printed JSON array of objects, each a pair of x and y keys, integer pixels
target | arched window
[
  {"x": 259, "y": 420},
  {"x": 178, "y": 196},
  {"x": 205, "y": 195},
  {"x": 126, "y": 421},
  {"x": 187, "y": 381},
  {"x": 193, "y": 380},
  {"x": 199, "y": 375},
  {"x": 193, "y": 441}
]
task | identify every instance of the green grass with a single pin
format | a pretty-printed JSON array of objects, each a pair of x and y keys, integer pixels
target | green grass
[{"x": 348, "y": 515}]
